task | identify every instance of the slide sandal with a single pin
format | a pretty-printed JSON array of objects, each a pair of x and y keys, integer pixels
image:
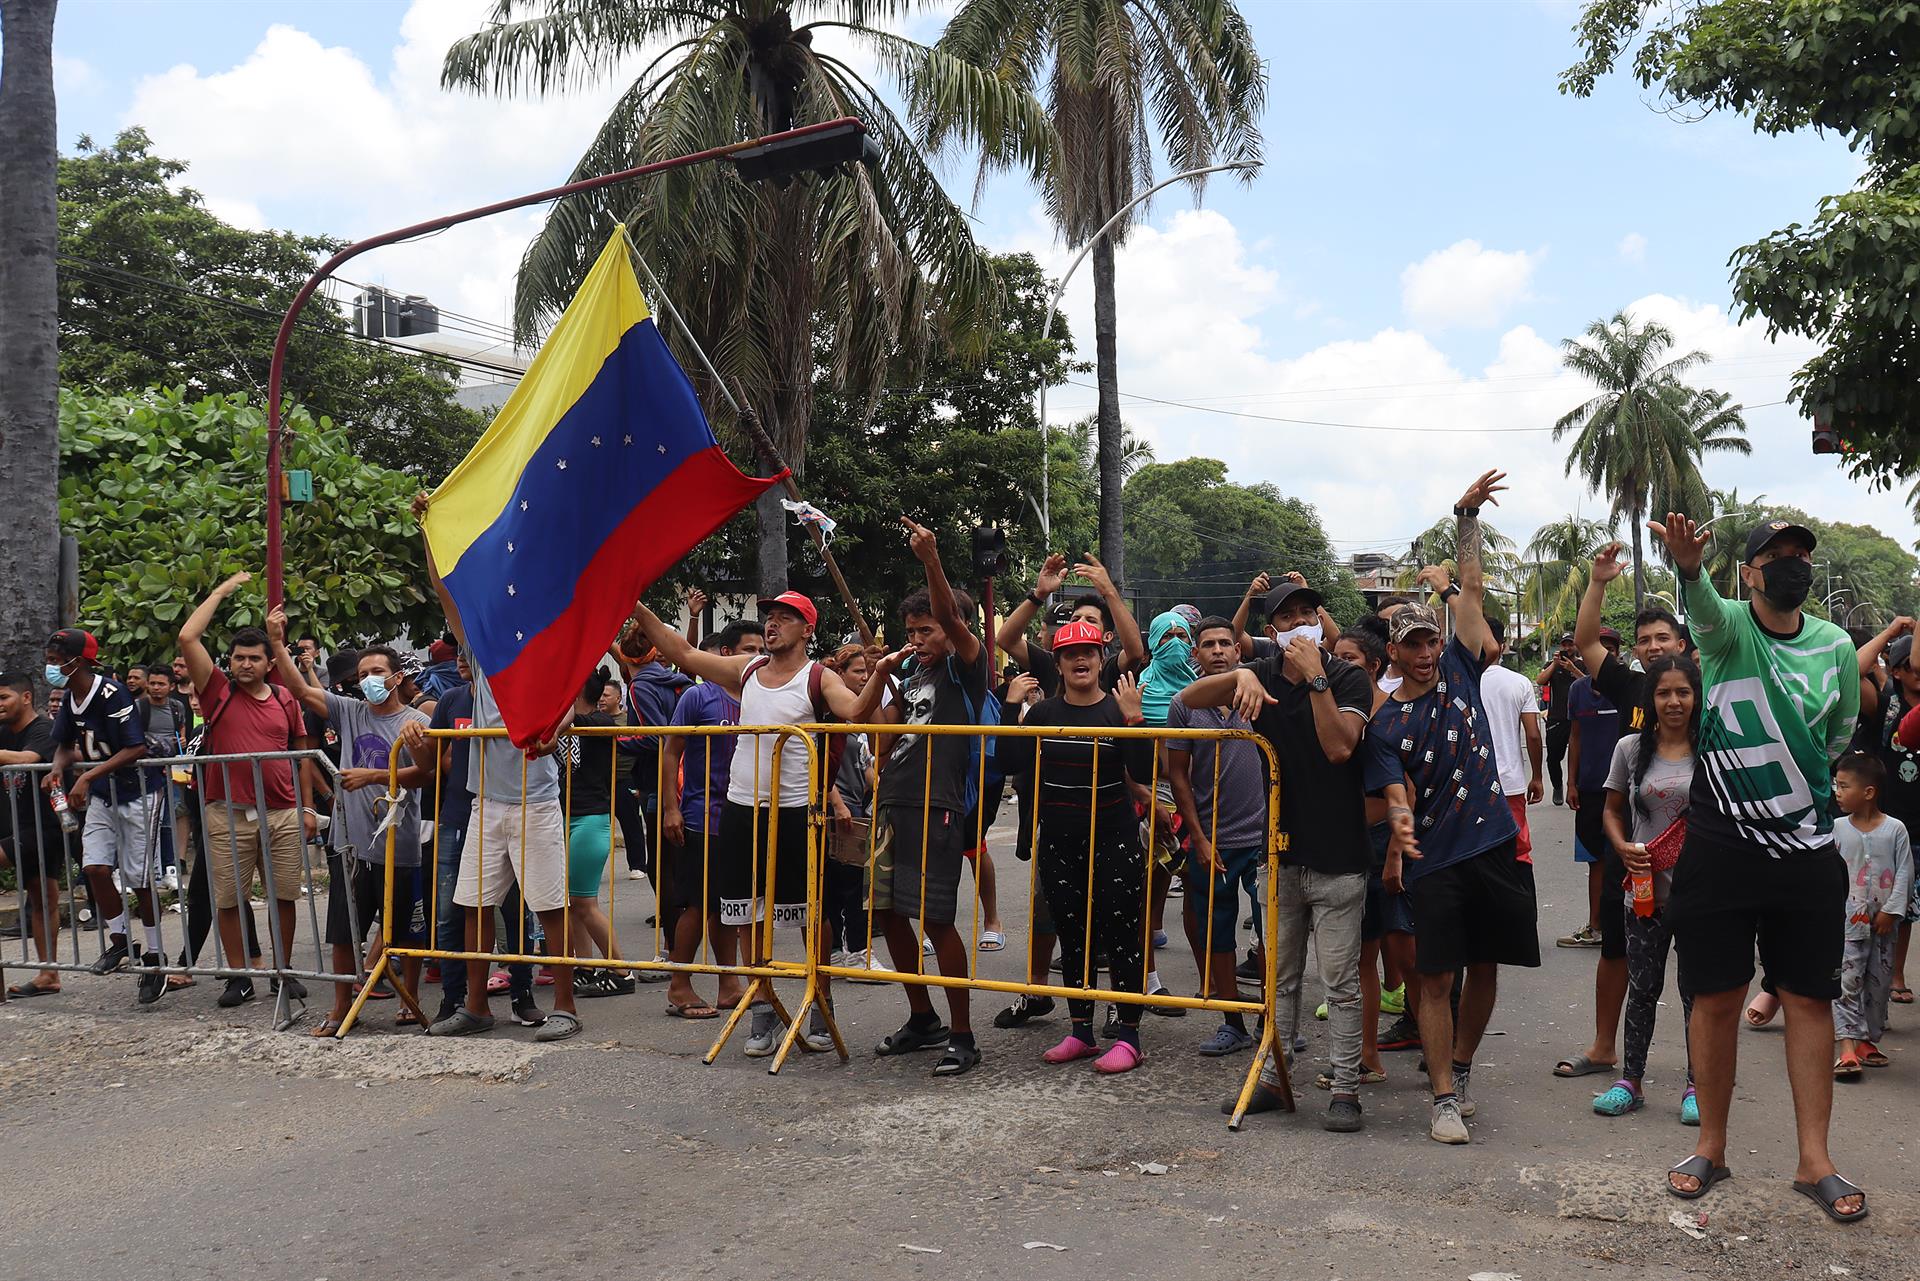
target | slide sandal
[
  {"x": 1762, "y": 1009},
  {"x": 992, "y": 941},
  {"x": 1698, "y": 1167},
  {"x": 1903, "y": 996},
  {"x": 1581, "y": 1065},
  {"x": 23, "y": 991},
  {"x": 1829, "y": 1190},
  {"x": 692, "y": 1010}
]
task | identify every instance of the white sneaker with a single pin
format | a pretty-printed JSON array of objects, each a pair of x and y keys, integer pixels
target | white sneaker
[
  {"x": 1447, "y": 1126},
  {"x": 635, "y": 874},
  {"x": 1460, "y": 1082},
  {"x": 865, "y": 961},
  {"x": 926, "y": 946},
  {"x": 841, "y": 960}
]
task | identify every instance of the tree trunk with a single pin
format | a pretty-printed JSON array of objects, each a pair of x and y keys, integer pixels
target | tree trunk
[
  {"x": 29, "y": 334},
  {"x": 1113, "y": 550},
  {"x": 1639, "y": 559},
  {"x": 773, "y": 541}
]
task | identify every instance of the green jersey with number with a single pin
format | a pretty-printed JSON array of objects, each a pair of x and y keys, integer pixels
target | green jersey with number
[{"x": 1779, "y": 711}]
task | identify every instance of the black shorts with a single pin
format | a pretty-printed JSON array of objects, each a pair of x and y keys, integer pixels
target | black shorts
[
  {"x": 741, "y": 865},
  {"x": 693, "y": 870},
  {"x": 939, "y": 844},
  {"x": 1384, "y": 913},
  {"x": 1479, "y": 911},
  {"x": 1613, "y": 903},
  {"x": 972, "y": 826},
  {"x": 1589, "y": 825},
  {"x": 1729, "y": 899},
  {"x": 31, "y": 865},
  {"x": 366, "y": 883}
]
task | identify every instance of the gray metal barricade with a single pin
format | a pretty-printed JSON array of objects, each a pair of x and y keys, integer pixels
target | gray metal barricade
[{"x": 163, "y": 789}]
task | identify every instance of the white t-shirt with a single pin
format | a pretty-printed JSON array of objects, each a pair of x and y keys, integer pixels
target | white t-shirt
[{"x": 1507, "y": 695}]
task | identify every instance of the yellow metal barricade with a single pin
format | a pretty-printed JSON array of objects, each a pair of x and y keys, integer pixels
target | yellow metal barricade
[
  {"x": 1156, "y": 845},
  {"x": 759, "y": 967}
]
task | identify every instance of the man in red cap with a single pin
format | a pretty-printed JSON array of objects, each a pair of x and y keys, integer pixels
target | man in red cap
[
  {"x": 780, "y": 687},
  {"x": 101, "y": 724}
]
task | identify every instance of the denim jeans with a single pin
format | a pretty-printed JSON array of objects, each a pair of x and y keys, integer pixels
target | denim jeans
[
  {"x": 450, "y": 927},
  {"x": 1329, "y": 908}
]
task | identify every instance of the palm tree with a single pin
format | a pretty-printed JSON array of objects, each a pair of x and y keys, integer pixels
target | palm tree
[
  {"x": 1558, "y": 561},
  {"x": 1717, "y": 427},
  {"x": 29, "y": 339},
  {"x": 1135, "y": 453},
  {"x": 1639, "y": 437},
  {"x": 1119, "y": 76},
  {"x": 1733, "y": 519},
  {"x": 871, "y": 258}
]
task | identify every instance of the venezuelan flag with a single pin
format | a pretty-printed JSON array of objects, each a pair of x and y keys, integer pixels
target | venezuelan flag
[{"x": 598, "y": 474}]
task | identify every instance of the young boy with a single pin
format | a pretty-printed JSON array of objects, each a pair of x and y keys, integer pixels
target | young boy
[{"x": 1879, "y": 884}]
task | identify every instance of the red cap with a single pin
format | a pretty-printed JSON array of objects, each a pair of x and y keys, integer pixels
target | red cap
[
  {"x": 74, "y": 643},
  {"x": 1079, "y": 633},
  {"x": 441, "y": 651},
  {"x": 794, "y": 601}
]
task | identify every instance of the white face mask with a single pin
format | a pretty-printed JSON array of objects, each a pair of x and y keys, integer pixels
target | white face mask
[{"x": 1311, "y": 631}]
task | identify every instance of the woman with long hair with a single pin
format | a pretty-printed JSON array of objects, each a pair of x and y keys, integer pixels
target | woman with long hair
[{"x": 1648, "y": 787}]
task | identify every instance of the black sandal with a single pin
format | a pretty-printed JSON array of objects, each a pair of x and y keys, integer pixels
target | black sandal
[
  {"x": 1831, "y": 1189},
  {"x": 958, "y": 1060},
  {"x": 1703, "y": 1170},
  {"x": 910, "y": 1038}
]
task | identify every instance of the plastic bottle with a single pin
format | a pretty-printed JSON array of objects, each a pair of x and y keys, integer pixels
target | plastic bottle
[
  {"x": 69, "y": 821},
  {"x": 1643, "y": 893}
]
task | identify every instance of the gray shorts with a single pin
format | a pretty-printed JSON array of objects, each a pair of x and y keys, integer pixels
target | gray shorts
[
  {"x": 906, "y": 847},
  {"x": 124, "y": 837}
]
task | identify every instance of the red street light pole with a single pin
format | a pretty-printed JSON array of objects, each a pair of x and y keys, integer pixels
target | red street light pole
[{"x": 275, "y": 556}]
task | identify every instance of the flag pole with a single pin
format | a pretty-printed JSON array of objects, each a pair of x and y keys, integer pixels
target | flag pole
[{"x": 763, "y": 442}]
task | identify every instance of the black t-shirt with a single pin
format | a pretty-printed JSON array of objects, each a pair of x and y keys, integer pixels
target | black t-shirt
[
  {"x": 321, "y": 730},
  {"x": 1069, "y": 780},
  {"x": 1624, "y": 688},
  {"x": 942, "y": 693},
  {"x": 1323, "y": 806},
  {"x": 588, "y": 762},
  {"x": 1900, "y": 797},
  {"x": 24, "y": 796},
  {"x": 1559, "y": 684},
  {"x": 1045, "y": 670},
  {"x": 110, "y": 721},
  {"x": 455, "y": 711}
]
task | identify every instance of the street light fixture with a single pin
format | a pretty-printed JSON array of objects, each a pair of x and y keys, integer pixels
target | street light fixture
[{"x": 1053, "y": 305}]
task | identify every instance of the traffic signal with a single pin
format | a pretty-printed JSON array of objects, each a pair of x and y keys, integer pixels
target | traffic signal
[
  {"x": 989, "y": 552},
  {"x": 779, "y": 162},
  {"x": 1826, "y": 436}
]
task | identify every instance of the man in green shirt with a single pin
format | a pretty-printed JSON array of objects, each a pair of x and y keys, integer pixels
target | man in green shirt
[{"x": 1760, "y": 867}]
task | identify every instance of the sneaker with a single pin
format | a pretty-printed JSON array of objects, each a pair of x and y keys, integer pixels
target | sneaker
[
  {"x": 1585, "y": 936},
  {"x": 171, "y": 880},
  {"x": 1403, "y": 1034},
  {"x": 926, "y": 947},
  {"x": 296, "y": 990},
  {"x": 1177, "y": 887},
  {"x": 1394, "y": 1002},
  {"x": 1343, "y": 1115},
  {"x": 1559, "y": 798},
  {"x": 153, "y": 984},
  {"x": 816, "y": 1036},
  {"x": 764, "y": 1032},
  {"x": 238, "y": 992},
  {"x": 114, "y": 959},
  {"x": 1460, "y": 1082},
  {"x": 527, "y": 1012},
  {"x": 1166, "y": 1011},
  {"x": 1159, "y": 938},
  {"x": 1447, "y": 1126},
  {"x": 1251, "y": 968},
  {"x": 1689, "y": 1108},
  {"x": 865, "y": 961},
  {"x": 635, "y": 874},
  {"x": 1226, "y": 1039},
  {"x": 1023, "y": 1011},
  {"x": 649, "y": 976}
]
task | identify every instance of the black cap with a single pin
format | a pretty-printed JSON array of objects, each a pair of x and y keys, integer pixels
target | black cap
[
  {"x": 1899, "y": 651},
  {"x": 74, "y": 643},
  {"x": 1768, "y": 531},
  {"x": 342, "y": 665},
  {"x": 1286, "y": 591}
]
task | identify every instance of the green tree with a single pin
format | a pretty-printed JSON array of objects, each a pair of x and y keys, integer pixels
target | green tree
[
  {"x": 1734, "y": 518},
  {"x": 29, "y": 342},
  {"x": 1848, "y": 278},
  {"x": 1119, "y": 76},
  {"x": 163, "y": 492},
  {"x": 1555, "y": 567},
  {"x": 1198, "y": 537},
  {"x": 1641, "y": 436},
  {"x": 876, "y": 255},
  {"x": 155, "y": 291}
]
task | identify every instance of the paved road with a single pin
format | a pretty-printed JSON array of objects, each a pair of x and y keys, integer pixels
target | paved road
[{"x": 190, "y": 1140}]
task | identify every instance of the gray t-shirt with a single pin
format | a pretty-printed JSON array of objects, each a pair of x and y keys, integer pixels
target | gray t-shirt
[
  {"x": 366, "y": 742},
  {"x": 1243, "y": 775},
  {"x": 496, "y": 770},
  {"x": 1663, "y": 794},
  {"x": 1879, "y": 871}
]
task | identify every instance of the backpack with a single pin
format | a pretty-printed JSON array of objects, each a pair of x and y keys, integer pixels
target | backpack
[
  {"x": 986, "y": 715},
  {"x": 833, "y": 747}
]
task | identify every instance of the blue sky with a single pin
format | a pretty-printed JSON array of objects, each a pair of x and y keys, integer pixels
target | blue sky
[{"x": 1433, "y": 218}]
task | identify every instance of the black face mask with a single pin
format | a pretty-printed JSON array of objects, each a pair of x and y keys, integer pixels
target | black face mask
[{"x": 1786, "y": 581}]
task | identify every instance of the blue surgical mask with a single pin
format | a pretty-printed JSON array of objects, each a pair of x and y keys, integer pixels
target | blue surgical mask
[
  {"x": 374, "y": 689},
  {"x": 56, "y": 676}
]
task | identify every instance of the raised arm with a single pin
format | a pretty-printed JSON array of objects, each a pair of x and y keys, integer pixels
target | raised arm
[
  {"x": 447, "y": 607},
  {"x": 1469, "y": 607},
  {"x": 1707, "y": 613},
  {"x": 192, "y": 648},
  {"x": 1256, "y": 590},
  {"x": 311, "y": 697},
  {"x": 860, "y": 709},
  {"x": 1869, "y": 653},
  {"x": 1593, "y": 602},
  {"x": 1013, "y": 632},
  {"x": 1133, "y": 647},
  {"x": 946, "y": 610},
  {"x": 727, "y": 672}
]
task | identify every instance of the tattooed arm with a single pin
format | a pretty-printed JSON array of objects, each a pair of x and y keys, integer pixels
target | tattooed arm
[{"x": 1469, "y": 607}]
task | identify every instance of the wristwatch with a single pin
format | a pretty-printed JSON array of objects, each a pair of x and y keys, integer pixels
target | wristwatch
[
  {"x": 1038, "y": 600},
  {"x": 1318, "y": 684}
]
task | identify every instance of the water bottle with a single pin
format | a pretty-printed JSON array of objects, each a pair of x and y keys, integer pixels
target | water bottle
[
  {"x": 69, "y": 821},
  {"x": 1643, "y": 893}
]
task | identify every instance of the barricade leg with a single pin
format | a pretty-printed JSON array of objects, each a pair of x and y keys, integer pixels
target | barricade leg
[
  {"x": 1269, "y": 1050},
  {"x": 380, "y": 969}
]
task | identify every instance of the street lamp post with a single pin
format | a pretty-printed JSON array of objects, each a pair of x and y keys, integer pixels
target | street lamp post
[{"x": 1053, "y": 305}]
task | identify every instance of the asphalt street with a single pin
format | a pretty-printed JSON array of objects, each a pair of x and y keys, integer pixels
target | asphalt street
[{"x": 185, "y": 1140}]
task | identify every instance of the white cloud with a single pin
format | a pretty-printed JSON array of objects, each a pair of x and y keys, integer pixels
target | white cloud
[
  {"x": 73, "y": 76},
  {"x": 1467, "y": 285},
  {"x": 1633, "y": 248}
]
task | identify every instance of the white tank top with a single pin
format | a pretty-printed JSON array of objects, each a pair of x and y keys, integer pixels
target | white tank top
[{"x": 788, "y": 704}]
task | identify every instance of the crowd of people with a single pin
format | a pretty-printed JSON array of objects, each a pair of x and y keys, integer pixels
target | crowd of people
[{"x": 1741, "y": 784}]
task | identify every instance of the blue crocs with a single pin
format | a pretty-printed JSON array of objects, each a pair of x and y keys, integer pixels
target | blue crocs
[
  {"x": 1689, "y": 1108},
  {"x": 1619, "y": 1100},
  {"x": 1226, "y": 1039}
]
